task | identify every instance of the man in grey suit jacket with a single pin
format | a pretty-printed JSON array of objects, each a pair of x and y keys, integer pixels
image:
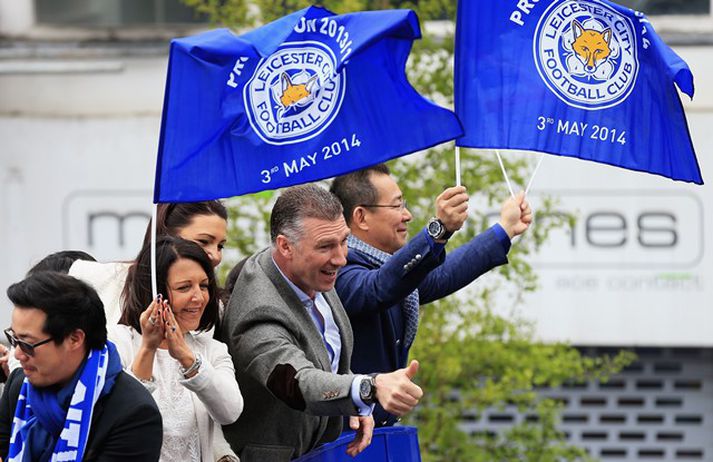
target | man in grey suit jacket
[{"x": 291, "y": 340}]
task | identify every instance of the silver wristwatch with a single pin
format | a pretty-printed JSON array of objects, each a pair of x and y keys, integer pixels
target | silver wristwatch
[{"x": 437, "y": 230}]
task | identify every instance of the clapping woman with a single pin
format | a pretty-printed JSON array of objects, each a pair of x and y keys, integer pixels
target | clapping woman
[
  {"x": 204, "y": 223},
  {"x": 191, "y": 376}
]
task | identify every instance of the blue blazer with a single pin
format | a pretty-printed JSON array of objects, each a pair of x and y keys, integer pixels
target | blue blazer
[{"x": 372, "y": 295}]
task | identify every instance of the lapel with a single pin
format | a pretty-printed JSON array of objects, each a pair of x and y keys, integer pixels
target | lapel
[
  {"x": 295, "y": 307},
  {"x": 394, "y": 313}
]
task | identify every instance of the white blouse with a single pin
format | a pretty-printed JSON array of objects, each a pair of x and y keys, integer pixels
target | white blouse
[
  {"x": 202, "y": 403},
  {"x": 180, "y": 428}
]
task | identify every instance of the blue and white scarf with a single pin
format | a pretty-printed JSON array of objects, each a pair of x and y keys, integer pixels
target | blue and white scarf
[
  {"x": 410, "y": 305},
  {"x": 41, "y": 419}
]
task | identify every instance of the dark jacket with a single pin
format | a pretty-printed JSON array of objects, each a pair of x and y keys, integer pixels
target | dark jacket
[
  {"x": 126, "y": 423},
  {"x": 372, "y": 295}
]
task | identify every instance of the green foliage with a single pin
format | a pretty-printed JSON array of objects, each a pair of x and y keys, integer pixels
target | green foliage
[
  {"x": 230, "y": 13},
  {"x": 486, "y": 357},
  {"x": 238, "y": 14},
  {"x": 473, "y": 357},
  {"x": 490, "y": 361}
]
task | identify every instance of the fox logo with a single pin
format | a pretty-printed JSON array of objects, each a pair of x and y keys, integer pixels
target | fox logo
[
  {"x": 296, "y": 94},
  {"x": 591, "y": 46},
  {"x": 586, "y": 53}
]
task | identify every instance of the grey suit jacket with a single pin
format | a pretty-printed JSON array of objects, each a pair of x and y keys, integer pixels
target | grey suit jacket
[{"x": 293, "y": 402}]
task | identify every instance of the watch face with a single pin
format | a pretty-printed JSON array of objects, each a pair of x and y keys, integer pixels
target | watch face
[
  {"x": 434, "y": 228},
  {"x": 365, "y": 388}
]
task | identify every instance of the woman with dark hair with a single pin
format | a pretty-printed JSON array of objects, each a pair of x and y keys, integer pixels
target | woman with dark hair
[
  {"x": 205, "y": 223},
  {"x": 60, "y": 261},
  {"x": 190, "y": 376}
]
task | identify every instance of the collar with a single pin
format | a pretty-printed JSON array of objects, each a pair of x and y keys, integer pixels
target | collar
[{"x": 304, "y": 298}]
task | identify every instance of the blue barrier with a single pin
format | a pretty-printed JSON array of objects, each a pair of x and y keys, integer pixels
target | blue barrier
[{"x": 389, "y": 444}]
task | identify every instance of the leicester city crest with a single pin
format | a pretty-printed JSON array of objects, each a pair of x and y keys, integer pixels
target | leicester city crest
[
  {"x": 586, "y": 53},
  {"x": 295, "y": 93}
]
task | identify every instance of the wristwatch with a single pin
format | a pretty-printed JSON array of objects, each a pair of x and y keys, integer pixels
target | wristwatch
[
  {"x": 193, "y": 369},
  {"x": 367, "y": 389},
  {"x": 437, "y": 230}
]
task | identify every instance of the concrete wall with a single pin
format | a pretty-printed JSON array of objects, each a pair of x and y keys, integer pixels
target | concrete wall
[{"x": 78, "y": 140}]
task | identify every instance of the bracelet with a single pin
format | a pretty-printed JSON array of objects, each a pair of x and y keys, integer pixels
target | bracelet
[
  {"x": 188, "y": 373},
  {"x": 145, "y": 381}
]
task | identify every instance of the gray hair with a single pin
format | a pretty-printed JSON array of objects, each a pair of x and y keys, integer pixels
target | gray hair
[{"x": 300, "y": 202}]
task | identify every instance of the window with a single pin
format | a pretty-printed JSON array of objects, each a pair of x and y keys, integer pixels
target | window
[
  {"x": 669, "y": 7},
  {"x": 114, "y": 13}
]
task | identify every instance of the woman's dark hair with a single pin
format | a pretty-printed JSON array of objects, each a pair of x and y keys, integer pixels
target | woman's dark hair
[
  {"x": 69, "y": 304},
  {"x": 60, "y": 261},
  {"x": 171, "y": 217},
  {"x": 137, "y": 294}
]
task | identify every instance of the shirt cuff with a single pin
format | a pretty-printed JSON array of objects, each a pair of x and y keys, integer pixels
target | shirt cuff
[
  {"x": 363, "y": 409},
  {"x": 436, "y": 247},
  {"x": 502, "y": 236}
]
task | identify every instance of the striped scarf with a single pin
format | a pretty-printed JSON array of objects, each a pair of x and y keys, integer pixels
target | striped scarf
[
  {"x": 410, "y": 305},
  {"x": 39, "y": 414}
]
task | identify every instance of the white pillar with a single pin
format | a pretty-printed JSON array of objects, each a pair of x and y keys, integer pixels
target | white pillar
[{"x": 16, "y": 16}]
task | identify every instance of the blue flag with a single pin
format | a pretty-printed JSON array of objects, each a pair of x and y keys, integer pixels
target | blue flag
[
  {"x": 309, "y": 96},
  {"x": 585, "y": 78}
]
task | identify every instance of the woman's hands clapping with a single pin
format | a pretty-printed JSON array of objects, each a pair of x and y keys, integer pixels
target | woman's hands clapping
[
  {"x": 175, "y": 341},
  {"x": 159, "y": 328},
  {"x": 152, "y": 325}
]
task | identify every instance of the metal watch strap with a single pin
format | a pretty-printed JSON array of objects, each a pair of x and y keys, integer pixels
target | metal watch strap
[
  {"x": 194, "y": 367},
  {"x": 371, "y": 399}
]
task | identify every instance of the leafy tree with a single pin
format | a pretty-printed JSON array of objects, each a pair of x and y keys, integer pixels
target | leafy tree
[{"x": 473, "y": 356}]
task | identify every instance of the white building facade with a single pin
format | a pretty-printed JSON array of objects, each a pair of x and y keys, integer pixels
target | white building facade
[{"x": 81, "y": 91}]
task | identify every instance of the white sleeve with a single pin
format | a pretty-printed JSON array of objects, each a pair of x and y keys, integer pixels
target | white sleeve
[{"x": 215, "y": 384}]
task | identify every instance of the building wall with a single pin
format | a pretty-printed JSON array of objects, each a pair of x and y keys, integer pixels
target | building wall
[{"x": 79, "y": 121}]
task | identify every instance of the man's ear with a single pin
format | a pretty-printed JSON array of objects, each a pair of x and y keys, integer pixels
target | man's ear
[
  {"x": 76, "y": 339},
  {"x": 359, "y": 219},
  {"x": 283, "y": 246}
]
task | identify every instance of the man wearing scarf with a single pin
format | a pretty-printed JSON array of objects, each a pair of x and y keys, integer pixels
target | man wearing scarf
[
  {"x": 70, "y": 400},
  {"x": 388, "y": 277}
]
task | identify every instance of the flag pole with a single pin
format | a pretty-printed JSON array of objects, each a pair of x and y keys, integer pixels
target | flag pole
[
  {"x": 457, "y": 165},
  {"x": 154, "y": 285},
  {"x": 505, "y": 173},
  {"x": 529, "y": 183}
]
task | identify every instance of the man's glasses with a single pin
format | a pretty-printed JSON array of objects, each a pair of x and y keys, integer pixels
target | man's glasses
[
  {"x": 27, "y": 348},
  {"x": 403, "y": 205}
]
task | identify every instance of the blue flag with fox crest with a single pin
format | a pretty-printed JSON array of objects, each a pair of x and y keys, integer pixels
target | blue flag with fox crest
[
  {"x": 309, "y": 96},
  {"x": 585, "y": 78}
]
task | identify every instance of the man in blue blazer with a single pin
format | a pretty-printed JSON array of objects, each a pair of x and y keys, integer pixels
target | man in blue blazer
[{"x": 387, "y": 277}]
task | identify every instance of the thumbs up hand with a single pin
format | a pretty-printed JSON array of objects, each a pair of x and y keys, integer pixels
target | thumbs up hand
[{"x": 395, "y": 391}]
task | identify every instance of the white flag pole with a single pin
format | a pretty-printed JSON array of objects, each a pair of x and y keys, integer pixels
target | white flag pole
[
  {"x": 542, "y": 156},
  {"x": 154, "y": 285},
  {"x": 457, "y": 165},
  {"x": 505, "y": 173}
]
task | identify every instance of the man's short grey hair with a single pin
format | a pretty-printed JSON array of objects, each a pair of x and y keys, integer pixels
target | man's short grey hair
[{"x": 300, "y": 202}]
